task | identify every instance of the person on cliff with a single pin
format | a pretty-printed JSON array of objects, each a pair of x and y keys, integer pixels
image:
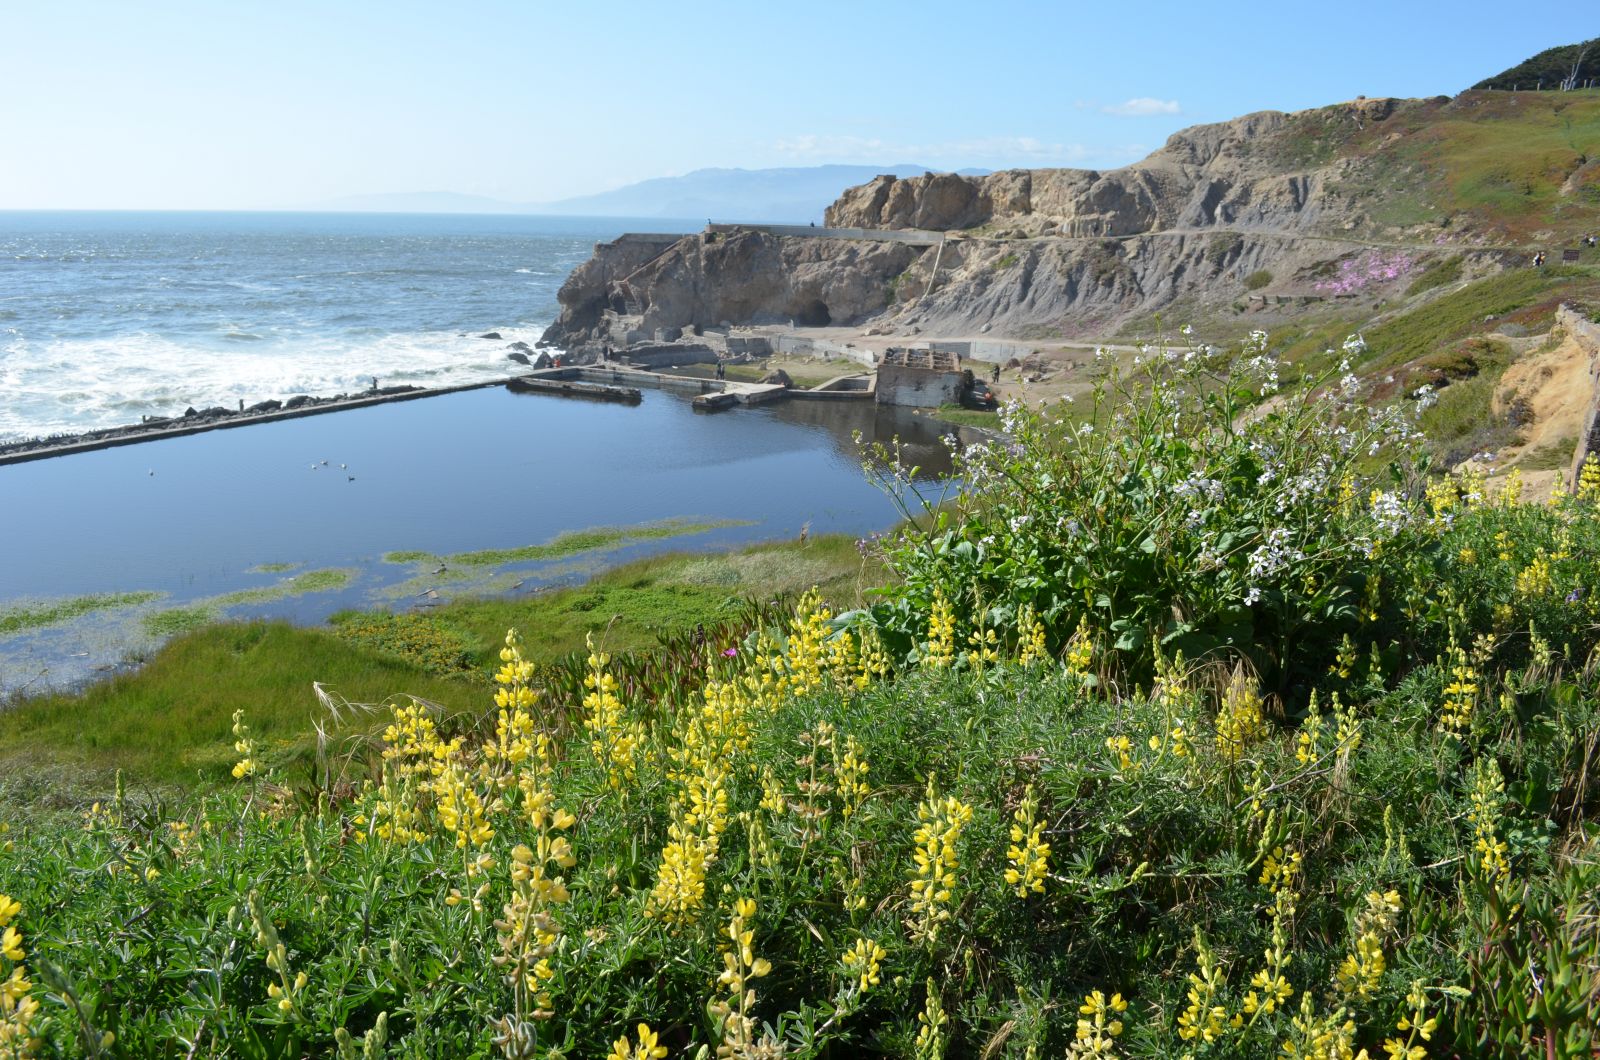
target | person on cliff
[
  {"x": 994, "y": 373},
  {"x": 722, "y": 371}
]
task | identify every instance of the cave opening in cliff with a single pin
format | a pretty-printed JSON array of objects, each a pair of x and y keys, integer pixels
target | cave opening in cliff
[{"x": 812, "y": 315}]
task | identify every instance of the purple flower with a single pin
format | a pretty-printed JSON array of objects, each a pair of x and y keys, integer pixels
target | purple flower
[
  {"x": 730, "y": 653},
  {"x": 1572, "y": 597}
]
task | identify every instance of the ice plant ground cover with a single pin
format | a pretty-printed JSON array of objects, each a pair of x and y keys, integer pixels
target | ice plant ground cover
[{"x": 996, "y": 814}]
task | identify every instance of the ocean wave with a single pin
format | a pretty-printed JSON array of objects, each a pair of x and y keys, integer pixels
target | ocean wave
[{"x": 75, "y": 385}]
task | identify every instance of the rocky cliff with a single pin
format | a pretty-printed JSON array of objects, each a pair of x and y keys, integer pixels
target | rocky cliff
[{"x": 1263, "y": 215}]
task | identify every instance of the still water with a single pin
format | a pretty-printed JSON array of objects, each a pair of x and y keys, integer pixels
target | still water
[{"x": 198, "y": 517}]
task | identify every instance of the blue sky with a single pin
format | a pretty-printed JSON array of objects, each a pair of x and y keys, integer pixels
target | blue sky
[{"x": 164, "y": 104}]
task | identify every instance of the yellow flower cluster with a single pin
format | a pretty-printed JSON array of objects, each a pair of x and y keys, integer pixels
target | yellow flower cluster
[
  {"x": 931, "y": 1022},
  {"x": 18, "y": 1007},
  {"x": 735, "y": 1024},
  {"x": 1098, "y": 1026},
  {"x": 616, "y": 741},
  {"x": 1460, "y": 695},
  {"x": 1416, "y": 1024},
  {"x": 647, "y": 1049},
  {"x": 1490, "y": 858},
  {"x": 1535, "y": 580},
  {"x": 851, "y": 771},
  {"x": 1359, "y": 972},
  {"x": 1589, "y": 480},
  {"x": 1121, "y": 749},
  {"x": 1029, "y": 854},
  {"x": 526, "y": 932},
  {"x": 862, "y": 964},
  {"x": 1203, "y": 1018},
  {"x": 1031, "y": 645},
  {"x": 1080, "y": 649},
  {"x": 933, "y": 879},
  {"x": 940, "y": 651},
  {"x": 286, "y": 991},
  {"x": 1240, "y": 721},
  {"x": 245, "y": 746}
]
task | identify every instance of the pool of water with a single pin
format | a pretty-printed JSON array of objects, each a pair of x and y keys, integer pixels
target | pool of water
[{"x": 197, "y": 518}]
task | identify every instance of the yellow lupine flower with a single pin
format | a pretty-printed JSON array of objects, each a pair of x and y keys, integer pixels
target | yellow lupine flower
[
  {"x": 1028, "y": 855},
  {"x": 647, "y": 1049}
]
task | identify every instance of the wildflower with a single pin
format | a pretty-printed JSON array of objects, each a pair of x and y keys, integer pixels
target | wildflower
[
  {"x": 931, "y": 1022},
  {"x": 1359, "y": 972},
  {"x": 851, "y": 774},
  {"x": 1080, "y": 649},
  {"x": 1455, "y": 713},
  {"x": 984, "y": 645},
  {"x": 615, "y": 741},
  {"x": 1098, "y": 1027},
  {"x": 740, "y": 965},
  {"x": 1534, "y": 580},
  {"x": 1240, "y": 721},
  {"x": 862, "y": 963},
  {"x": 1589, "y": 480},
  {"x": 936, "y": 859},
  {"x": 1202, "y": 1019},
  {"x": 1121, "y": 749},
  {"x": 246, "y": 766},
  {"x": 526, "y": 931},
  {"x": 941, "y": 646},
  {"x": 1280, "y": 869},
  {"x": 1030, "y": 637},
  {"x": 1307, "y": 743},
  {"x": 1418, "y": 1024},
  {"x": 1029, "y": 854},
  {"x": 647, "y": 1049},
  {"x": 1489, "y": 857}
]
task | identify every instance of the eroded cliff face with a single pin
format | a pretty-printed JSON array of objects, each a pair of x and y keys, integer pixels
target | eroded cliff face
[
  {"x": 707, "y": 280},
  {"x": 1294, "y": 202},
  {"x": 1223, "y": 174}
]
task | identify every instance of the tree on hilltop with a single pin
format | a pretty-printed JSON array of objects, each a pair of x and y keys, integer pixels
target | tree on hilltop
[{"x": 1565, "y": 67}]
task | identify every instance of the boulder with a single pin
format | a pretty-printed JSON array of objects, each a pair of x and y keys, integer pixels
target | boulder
[
  {"x": 778, "y": 376},
  {"x": 520, "y": 347},
  {"x": 518, "y": 356},
  {"x": 491, "y": 335},
  {"x": 269, "y": 405},
  {"x": 299, "y": 400}
]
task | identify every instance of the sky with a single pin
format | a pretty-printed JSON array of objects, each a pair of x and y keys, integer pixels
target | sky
[{"x": 240, "y": 104}]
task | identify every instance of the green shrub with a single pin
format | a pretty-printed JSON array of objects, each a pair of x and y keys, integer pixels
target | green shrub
[
  {"x": 1257, "y": 280},
  {"x": 1172, "y": 520}
]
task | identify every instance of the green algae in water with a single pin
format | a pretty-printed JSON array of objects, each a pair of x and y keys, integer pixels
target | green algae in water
[
  {"x": 33, "y": 616},
  {"x": 174, "y": 620},
  {"x": 409, "y": 557},
  {"x": 272, "y": 568},
  {"x": 594, "y": 539},
  {"x": 312, "y": 581}
]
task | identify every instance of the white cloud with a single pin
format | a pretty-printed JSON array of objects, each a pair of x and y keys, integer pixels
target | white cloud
[
  {"x": 1142, "y": 107},
  {"x": 989, "y": 152}
]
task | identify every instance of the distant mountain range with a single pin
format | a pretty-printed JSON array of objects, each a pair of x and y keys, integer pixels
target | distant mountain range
[{"x": 796, "y": 195}]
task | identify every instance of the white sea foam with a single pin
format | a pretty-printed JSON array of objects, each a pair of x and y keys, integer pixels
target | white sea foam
[{"x": 73, "y": 385}]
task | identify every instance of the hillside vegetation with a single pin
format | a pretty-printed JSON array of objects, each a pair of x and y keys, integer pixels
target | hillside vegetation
[
  {"x": 1550, "y": 68},
  {"x": 1182, "y": 733}
]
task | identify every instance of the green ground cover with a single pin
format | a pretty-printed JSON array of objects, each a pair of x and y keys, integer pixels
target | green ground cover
[{"x": 983, "y": 813}]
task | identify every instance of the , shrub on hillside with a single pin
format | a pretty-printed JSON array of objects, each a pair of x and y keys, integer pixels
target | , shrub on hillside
[
  {"x": 1257, "y": 280},
  {"x": 1176, "y": 518}
]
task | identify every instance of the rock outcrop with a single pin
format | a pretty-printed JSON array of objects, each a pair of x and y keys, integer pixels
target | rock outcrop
[{"x": 1329, "y": 204}]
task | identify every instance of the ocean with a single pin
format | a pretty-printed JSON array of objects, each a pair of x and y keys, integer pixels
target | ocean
[{"x": 106, "y": 317}]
